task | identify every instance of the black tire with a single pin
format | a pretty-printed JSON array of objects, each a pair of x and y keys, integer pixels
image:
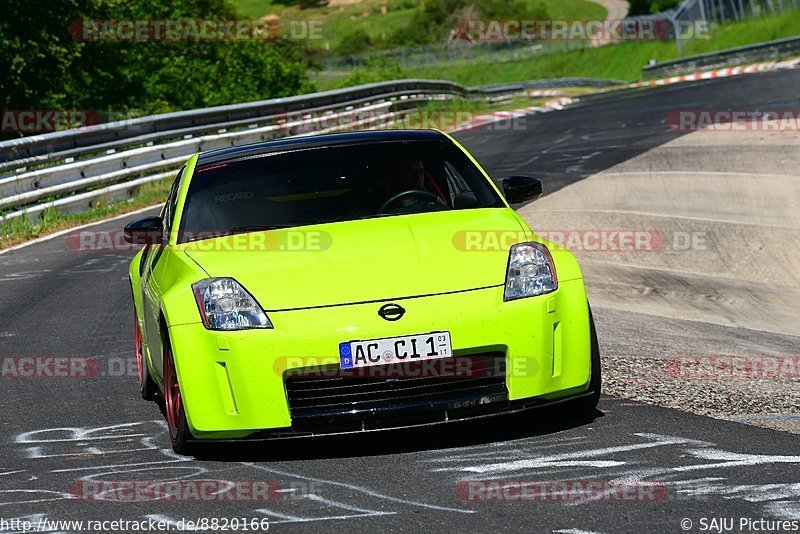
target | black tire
[
  {"x": 182, "y": 444},
  {"x": 588, "y": 404},
  {"x": 178, "y": 427},
  {"x": 147, "y": 386}
]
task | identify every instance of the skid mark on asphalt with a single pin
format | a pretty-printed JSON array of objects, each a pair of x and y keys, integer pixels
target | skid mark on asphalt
[
  {"x": 106, "y": 264},
  {"x": 524, "y": 463},
  {"x": 88, "y": 441},
  {"x": 23, "y": 275},
  {"x": 129, "y": 443},
  {"x": 731, "y": 459},
  {"x": 511, "y": 453},
  {"x": 26, "y": 496},
  {"x": 784, "y": 509},
  {"x": 381, "y": 497},
  {"x": 306, "y": 499},
  {"x": 356, "y": 512},
  {"x": 574, "y": 459},
  {"x": 135, "y": 446}
]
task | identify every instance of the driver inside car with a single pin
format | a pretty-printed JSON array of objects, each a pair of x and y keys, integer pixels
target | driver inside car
[{"x": 410, "y": 176}]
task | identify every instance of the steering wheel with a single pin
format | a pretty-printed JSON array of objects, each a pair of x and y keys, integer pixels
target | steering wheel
[{"x": 427, "y": 195}]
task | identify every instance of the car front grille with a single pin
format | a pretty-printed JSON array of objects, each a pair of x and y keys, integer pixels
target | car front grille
[{"x": 394, "y": 395}]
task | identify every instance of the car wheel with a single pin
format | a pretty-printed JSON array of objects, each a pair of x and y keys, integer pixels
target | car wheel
[
  {"x": 179, "y": 432},
  {"x": 588, "y": 404},
  {"x": 596, "y": 382},
  {"x": 146, "y": 384}
]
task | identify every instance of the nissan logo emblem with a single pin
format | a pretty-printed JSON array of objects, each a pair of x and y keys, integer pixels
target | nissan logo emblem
[{"x": 391, "y": 312}]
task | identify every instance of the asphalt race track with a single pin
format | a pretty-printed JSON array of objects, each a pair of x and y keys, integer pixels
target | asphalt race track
[{"x": 60, "y": 433}]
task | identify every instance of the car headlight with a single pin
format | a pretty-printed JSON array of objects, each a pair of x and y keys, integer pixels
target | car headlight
[
  {"x": 530, "y": 272},
  {"x": 225, "y": 305}
]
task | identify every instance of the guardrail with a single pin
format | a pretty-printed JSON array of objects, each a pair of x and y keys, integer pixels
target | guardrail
[
  {"x": 75, "y": 169},
  {"x": 741, "y": 54},
  {"x": 221, "y": 116}
]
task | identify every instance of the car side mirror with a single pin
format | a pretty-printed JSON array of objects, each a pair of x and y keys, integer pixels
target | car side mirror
[
  {"x": 521, "y": 189},
  {"x": 149, "y": 231}
]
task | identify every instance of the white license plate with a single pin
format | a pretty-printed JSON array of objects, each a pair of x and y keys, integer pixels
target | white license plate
[{"x": 391, "y": 350}]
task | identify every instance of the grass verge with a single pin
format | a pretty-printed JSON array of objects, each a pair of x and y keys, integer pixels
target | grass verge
[{"x": 20, "y": 229}]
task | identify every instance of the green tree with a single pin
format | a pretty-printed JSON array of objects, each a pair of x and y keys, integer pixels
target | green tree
[{"x": 44, "y": 67}]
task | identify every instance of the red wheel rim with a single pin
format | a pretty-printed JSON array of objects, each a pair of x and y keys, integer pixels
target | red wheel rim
[
  {"x": 172, "y": 393},
  {"x": 137, "y": 337}
]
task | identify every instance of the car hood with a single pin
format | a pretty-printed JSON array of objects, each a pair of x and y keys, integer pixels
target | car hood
[{"x": 366, "y": 260}]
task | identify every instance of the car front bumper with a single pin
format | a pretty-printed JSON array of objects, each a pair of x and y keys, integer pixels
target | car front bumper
[{"x": 234, "y": 384}]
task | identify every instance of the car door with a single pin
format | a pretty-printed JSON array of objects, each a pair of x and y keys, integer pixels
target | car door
[{"x": 153, "y": 263}]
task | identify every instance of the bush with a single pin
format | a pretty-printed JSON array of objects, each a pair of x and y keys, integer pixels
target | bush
[{"x": 354, "y": 43}]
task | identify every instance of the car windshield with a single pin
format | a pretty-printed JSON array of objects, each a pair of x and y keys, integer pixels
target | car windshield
[{"x": 332, "y": 184}]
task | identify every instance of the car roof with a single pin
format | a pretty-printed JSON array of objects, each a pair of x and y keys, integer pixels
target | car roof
[{"x": 318, "y": 141}]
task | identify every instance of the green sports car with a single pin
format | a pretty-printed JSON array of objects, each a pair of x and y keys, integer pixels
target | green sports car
[{"x": 349, "y": 283}]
